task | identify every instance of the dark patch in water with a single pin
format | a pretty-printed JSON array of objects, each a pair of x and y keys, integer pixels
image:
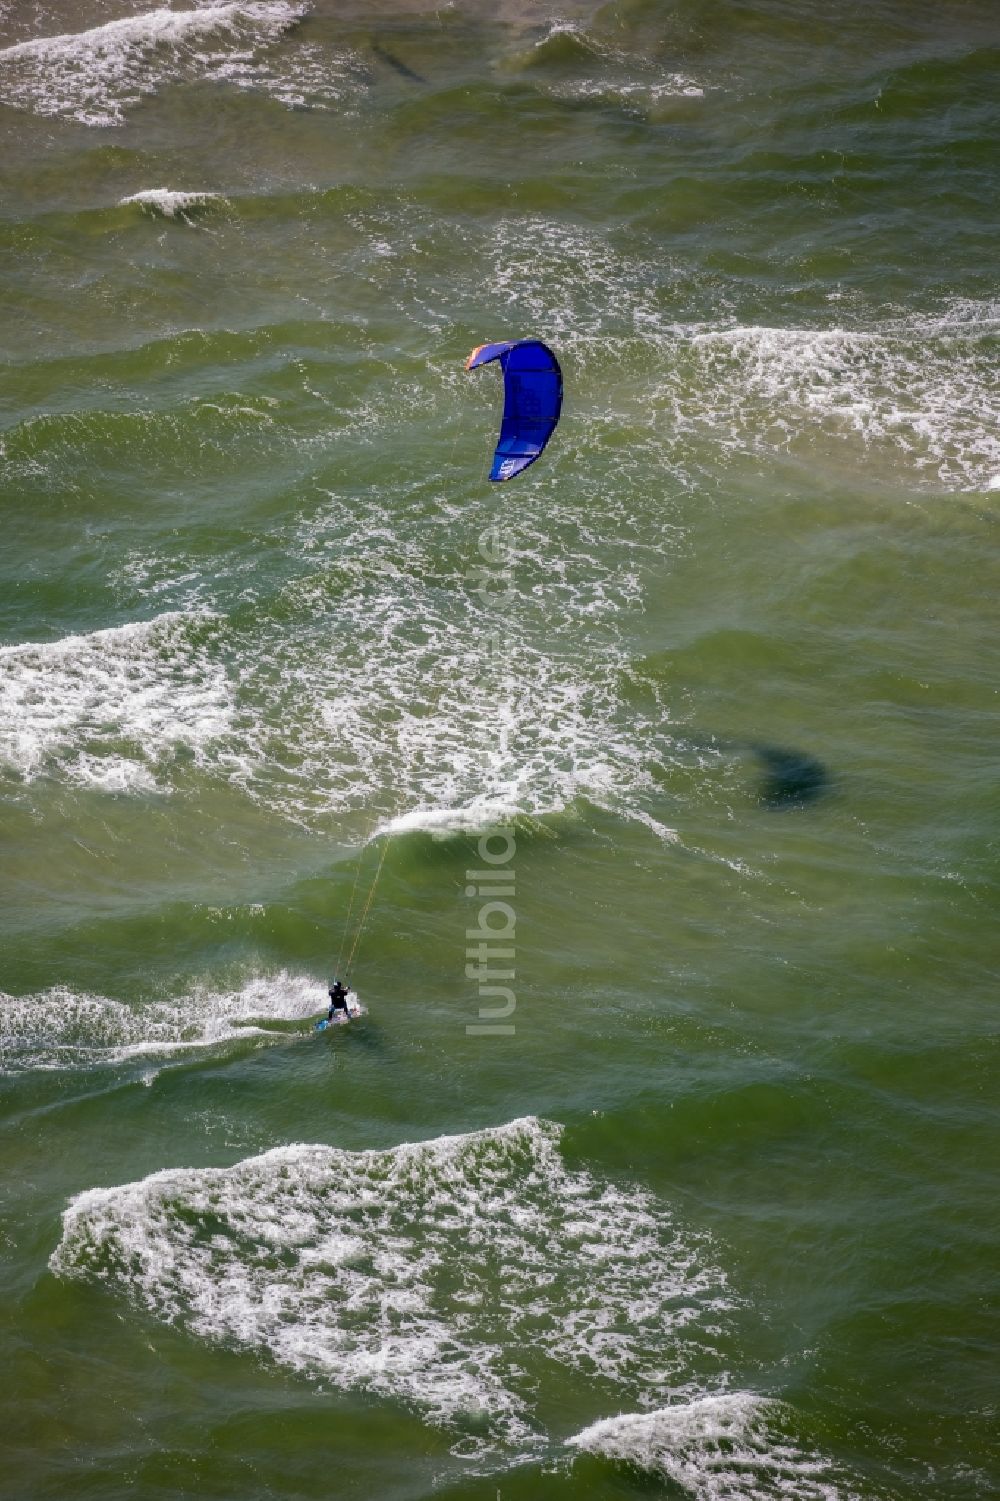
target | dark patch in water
[
  {"x": 792, "y": 778},
  {"x": 393, "y": 62}
]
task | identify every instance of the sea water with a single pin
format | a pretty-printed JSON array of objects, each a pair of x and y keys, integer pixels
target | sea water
[{"x": 691, "y": 1189}]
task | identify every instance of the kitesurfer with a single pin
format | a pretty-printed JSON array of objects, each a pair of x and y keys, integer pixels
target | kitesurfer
[{"x": 338, "y": 1000}]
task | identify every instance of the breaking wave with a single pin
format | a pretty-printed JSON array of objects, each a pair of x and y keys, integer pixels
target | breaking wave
[
  {"x": 62, "y": 1028},
  {"x": 720, "y": 1448},
  {"x": 451, "y": 1275},
  {"x": 97, "y": 76},
  {"x": 170, "y": 203},
  {"x": 920, "y": 388}
]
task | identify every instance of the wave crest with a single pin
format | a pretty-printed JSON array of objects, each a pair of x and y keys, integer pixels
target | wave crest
[{"x": 97, "y": 76}]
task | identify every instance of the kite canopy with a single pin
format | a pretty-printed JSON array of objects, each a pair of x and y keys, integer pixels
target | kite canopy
[{"x": 532, "y": 401}]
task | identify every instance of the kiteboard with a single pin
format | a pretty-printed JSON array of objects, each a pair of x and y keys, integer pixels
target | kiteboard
[{"x": 341, "y": 1018}]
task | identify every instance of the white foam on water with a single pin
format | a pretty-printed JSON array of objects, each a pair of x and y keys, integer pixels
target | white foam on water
[
  {"x": 63, "y": 1028},
  {"x": 572, "y": 282},
  {"x": 732, "y": 1447},
  {"x": 170, "y": 203},
  {"x": 395, "y": 680},
  {"x": 108, "y": 709},
  {"x": 97, "y": 76},
  {"x": 572, "y": 31},
  {"x": 603, "y": 73},
  {"x": 399, "y": 680},
  {"x": 476, "y": 818},
  {"x": 449, "y": 1274},
  {"x": 626, "y": 78},
  {"x": 922, "y": 389},
  {"x": 632, "y": 92},
  {"x": 311, "y": 77}
]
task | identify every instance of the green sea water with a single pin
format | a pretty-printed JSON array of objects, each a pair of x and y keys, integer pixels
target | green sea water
[{"x": 714, "y": 1214}]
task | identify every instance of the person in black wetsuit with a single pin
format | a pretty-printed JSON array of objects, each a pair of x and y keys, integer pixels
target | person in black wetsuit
[{"x": 338, "y": 1000}]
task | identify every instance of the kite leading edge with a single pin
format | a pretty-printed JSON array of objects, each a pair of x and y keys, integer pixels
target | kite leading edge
[{"x": 532, "y": 401}]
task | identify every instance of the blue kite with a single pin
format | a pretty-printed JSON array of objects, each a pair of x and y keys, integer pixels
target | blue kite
[{"x": 532, "y": 401}]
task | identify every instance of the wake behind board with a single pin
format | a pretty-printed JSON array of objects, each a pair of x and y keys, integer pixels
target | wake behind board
[{"x": 341, "y": 1018}]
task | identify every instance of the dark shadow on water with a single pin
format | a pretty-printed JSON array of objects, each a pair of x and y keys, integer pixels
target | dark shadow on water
[
  {"x": 392, "y": 61},
  {"x": 792, "y": 778}
]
